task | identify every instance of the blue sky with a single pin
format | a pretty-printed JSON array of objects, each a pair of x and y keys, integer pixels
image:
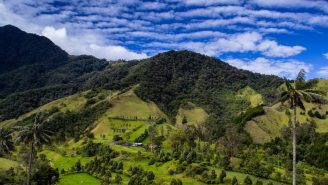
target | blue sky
[{"x": 277, "y": 37}]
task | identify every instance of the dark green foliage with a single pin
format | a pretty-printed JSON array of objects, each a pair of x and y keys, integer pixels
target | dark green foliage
[
  {"x": 234, "y": 181},
  {"x": 142, "y": 137},
  {"x": 320, "y": 181},
  {"x": 249, "y": 114},
  {"x": 248, "y": 181},
  {"x": 259, "y": 182},
  {"x": 316, "y": 154},
  {"x": 17, "y": 48},
  {"x": 117, "y": 138},
  {"x": 19, "y": 103},
  {"x": 118, "y": 179},
  {"x": 78, "y": 166},
  {"x": 160, "y": 121},
  {"x": 92, "y": 149},
  {"x": 45, "y": 174},
  {"x": 223, "y": 174},
  {"x": 34, "y": 71},
  {"x": 184, "y": 120},
  {"x": 139, "y": 176},
  {"x": 73, "y": 124},
  {"x": 176, "y": 182},
  {"x": 174, "y": 77}
]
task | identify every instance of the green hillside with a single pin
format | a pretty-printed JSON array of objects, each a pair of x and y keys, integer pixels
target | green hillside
[{"x": 268, "y": 126}]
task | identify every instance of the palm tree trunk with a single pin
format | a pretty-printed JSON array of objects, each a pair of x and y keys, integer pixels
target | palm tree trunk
[
  {"x": 29, "y": 173},
  {"x": 294, "y": 147}
]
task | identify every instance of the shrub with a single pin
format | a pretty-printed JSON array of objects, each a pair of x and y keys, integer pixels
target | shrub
[{"x": 248, "y": 181}]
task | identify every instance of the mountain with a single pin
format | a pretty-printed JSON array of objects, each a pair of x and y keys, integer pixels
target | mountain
[
  {"x": 34, "y": 71},
  {"x": 38, "y": 67},
  {"x": 18, "y": 49}
]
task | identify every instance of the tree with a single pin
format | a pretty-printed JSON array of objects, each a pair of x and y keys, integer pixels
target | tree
[
  {"x": 78, "y": 166},
  {"x": 150, "y": 175},
  {"x": 118, "y": 179},
  {"x": 6, "y": 143},
  {"x": 295, "y": 94},
  {"x": 234, "y": 181},
  {"x": 184, "y": 120},
  {"x": 258, "y": 182},
  {"x": 222, "y": 176},
  {"x": 248, "y": 181},
  {"x": 176, "y": 182},
  {"x": 213, "y": 174},
  {"x": 34, "y": 135}
]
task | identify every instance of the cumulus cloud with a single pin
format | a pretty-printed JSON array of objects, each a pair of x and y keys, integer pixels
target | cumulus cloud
[
  {"x": 89, "y": 44},
  {"x": 210, "y": 2},
  {"x": 317, "y": 4},
  {"x": 288, "y": 68},
  {"x": 244, "y": 42}
]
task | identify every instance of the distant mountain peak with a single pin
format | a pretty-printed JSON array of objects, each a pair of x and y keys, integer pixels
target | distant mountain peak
[{"x": 18, "y": 48}]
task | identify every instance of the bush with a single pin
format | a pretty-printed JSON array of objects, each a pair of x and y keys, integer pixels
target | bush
[
  {"x": 117, "y": 138},
  {"x": 222, "y": 176},
  {"x": 234, "y": 181},
  {"x": 248, "y": 181}
]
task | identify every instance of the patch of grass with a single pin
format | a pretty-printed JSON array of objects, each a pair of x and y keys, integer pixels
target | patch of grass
[
  {"x": 5, "y": 164},
  {"x": 69, "y": 103},
  {"x": 251, "y": 95},
  {"x": 79, "y": 179},
  {"x": 193, "y": 114},
  {"x": 129, "y": 105},
  {"x": 64, "y": 162},
  {"x": 268, "y": 126}
]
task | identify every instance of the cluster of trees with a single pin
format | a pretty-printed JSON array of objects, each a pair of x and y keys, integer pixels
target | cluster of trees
[
  {"x": 72, "y": 124},
  {"x": 139, "y": 176},
  {"x": 92, "y": 149},
  {"x": 33, "y": 136},
  {"x": 171, "y": 78},
  {"x": 316, "y": 114}
]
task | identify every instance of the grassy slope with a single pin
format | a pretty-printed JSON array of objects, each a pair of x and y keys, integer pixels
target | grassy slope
[
  {"x": 5, "y": 164},
  {"x": 69, "y": 103},
  {"x": 264, "y": 128},
  {"x": 129, "y": 106},
  {"x": 194, "y": 114},
  {"x": 126, "y": 106},
  {"x": 250, "y": 95},
  {"x": 79, "y": 179}
]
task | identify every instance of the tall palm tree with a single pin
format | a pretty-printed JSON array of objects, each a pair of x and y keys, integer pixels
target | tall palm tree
[
  {"x": 34, "y": 135},
  {"x": 295, "y": 94},
  {"x": 6, "y": 142}
]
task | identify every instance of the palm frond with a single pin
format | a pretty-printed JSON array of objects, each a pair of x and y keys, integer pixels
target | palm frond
[
  {"x": 316, "y": 91},
  {"x": 317, "y": 98}
]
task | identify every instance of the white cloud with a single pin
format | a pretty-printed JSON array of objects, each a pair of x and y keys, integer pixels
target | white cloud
[
  {"x": 210, "y": 2},
  {"x": 326, "y": 55},
  {"x": 81, "y": 42},
  {"x": 288, "y": 68},
  {"x": 273, "y": 49},
  {"x": 89, "y": 44},
  {"x": 317, "y": 4},
  {"x": 241, "y": 43},
  {"x": 323, "y": 71}
]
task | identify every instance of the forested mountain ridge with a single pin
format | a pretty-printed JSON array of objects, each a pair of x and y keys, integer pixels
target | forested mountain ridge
[
  {"x": 168, "y": 79},
  {"x": 18, "y": 48}
]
